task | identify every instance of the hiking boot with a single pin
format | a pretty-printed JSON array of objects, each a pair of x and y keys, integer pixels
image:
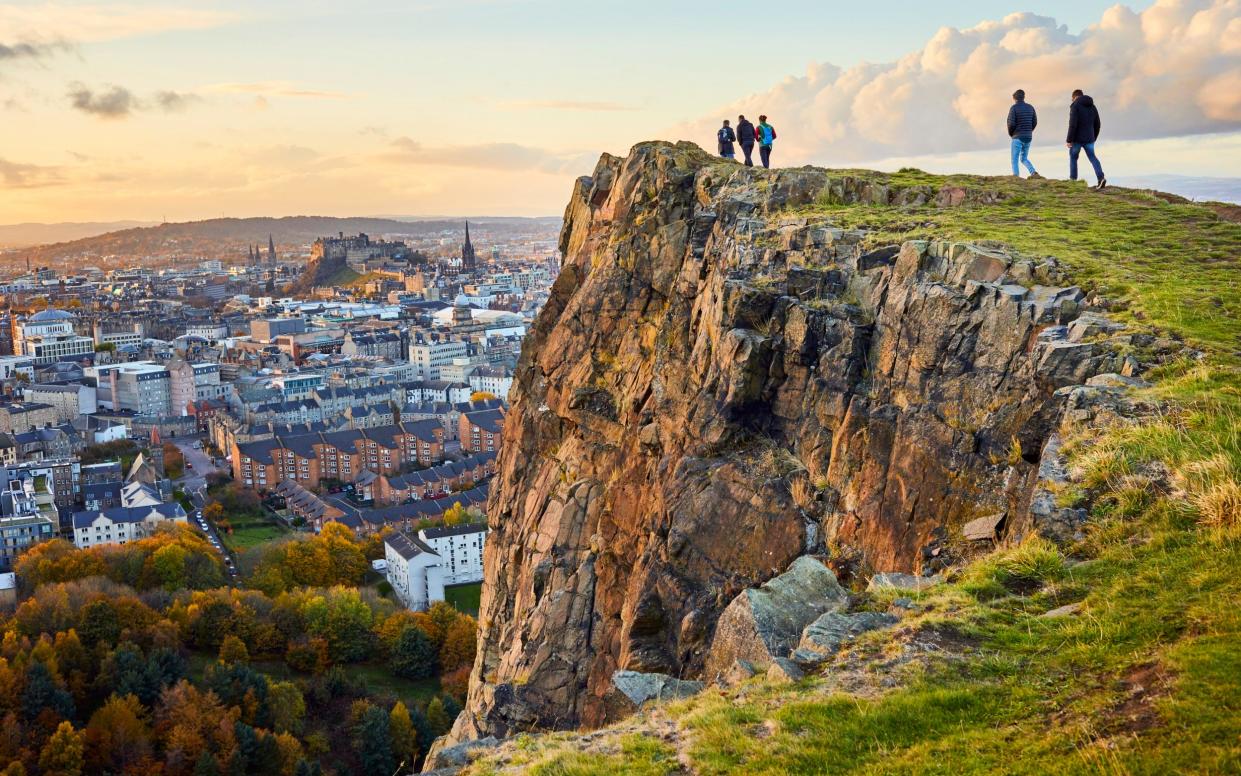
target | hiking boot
[
  {"x": 1036, "y": 177},
  {"x": 1102, "y": 183}
]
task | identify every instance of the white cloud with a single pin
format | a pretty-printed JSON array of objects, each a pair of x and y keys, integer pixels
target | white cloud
[
  {"x": 491, "y": 156},
  {"x": 1171, "y": 70},
  {"x": 99, "y": 21}
]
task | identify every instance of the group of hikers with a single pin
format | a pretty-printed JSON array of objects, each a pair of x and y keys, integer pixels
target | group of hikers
[
  {"x": 746, "y": 136},
  {"x": 1084, "y": 127}
]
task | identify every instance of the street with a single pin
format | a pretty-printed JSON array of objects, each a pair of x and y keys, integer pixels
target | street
[{"x": 194, "y": 482}]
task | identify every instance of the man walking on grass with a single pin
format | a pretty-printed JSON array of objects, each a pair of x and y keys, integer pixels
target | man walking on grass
[
  {"x": 1084, "y": 127},
  {"x": 1022, "y": 119}
]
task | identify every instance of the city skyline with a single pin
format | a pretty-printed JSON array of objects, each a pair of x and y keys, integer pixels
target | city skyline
[{"x": 154, "y": 111}]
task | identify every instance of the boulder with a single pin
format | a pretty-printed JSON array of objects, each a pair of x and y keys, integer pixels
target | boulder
[
  {"x": 740, "y": 672},
  {"x": 784, "y": 670},
  {"x": 765, "y": 623},
  {"x": 1062, "y": 611},
  {"x": 1113, "y": 380},
  {"x": 983, "y": 528},
  {"x": 827, "y": 635},
  {"x": 451, "y": 758},
  {"x": 893, "y": 580},
  {"x": 640, "y": 687}
]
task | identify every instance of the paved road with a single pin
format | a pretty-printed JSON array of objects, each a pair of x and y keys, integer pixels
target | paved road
[{"x": 195, "y": 484}]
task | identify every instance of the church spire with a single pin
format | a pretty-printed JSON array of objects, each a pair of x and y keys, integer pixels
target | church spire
[
  {"x": 271, "y": 250},
  {"x": 467, "y": 251}
]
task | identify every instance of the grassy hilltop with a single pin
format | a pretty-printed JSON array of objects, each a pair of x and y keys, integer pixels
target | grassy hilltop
[{"x": 1144, "y": 674}]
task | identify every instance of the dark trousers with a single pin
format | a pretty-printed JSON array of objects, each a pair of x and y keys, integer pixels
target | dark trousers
[
  {"x": 764, "y": 153},
  {"x": 747, "y": 149},
  {"x": 1094, "y": 160}
]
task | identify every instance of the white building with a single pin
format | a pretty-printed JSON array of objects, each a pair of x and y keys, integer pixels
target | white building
[
  {"x": 414, "y": 570},
  {"x": 429, "y": 357},
  {"x": 460, "y": 549},
  {"x": 141, "y": 387},
  {"x": 123, "y": 524},
  {"x": 212, "y": 332},
  {"x": 11, "y": 366},
  {"x": 70, "y": 401},
  {"x": 48, "y": 336},
  {"x": 494, "y": 380}
]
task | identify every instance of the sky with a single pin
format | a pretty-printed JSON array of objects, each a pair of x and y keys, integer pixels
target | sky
[{"x": 155, "y": 110}]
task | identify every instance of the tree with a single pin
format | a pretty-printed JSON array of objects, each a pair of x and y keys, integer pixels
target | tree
[
  {"x": 62, "y": 754},
  {"x": 455, "y": 514},
  {"x": 344, "y": 619},
  {"x": 482, "y": 396},
  {"x": 44, "y": 693},
  {"x": 117, "y": 737},
  {"x": 288, "y": 707},
  {"x": 99, "y": 624},
  {"x": 413, "y": 656},
  {"x": 233, "y": 650},
  {"x": 460, "y": 640},
  {"x": 213, "y": 512},
  {"x": 456, "y": 684},
  {"x": 437, "y": 717},
  {"x": 374, "y": 743},
  {"x": 401, "y": 731}
]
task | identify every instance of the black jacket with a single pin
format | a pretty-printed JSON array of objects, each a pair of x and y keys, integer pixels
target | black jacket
[
  {"x": 1022, "y": 119},
  {"x": 1084, "y": 124},
  {"x": 724, "y": 137},
  {"x": 745, "y": 132}
]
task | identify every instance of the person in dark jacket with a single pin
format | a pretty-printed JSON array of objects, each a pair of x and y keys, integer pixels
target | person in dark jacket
[
  {"x": 1022, "y": 119},
  {"x": 1084, "y": 127},
  {"x": 745, "y": 136},
  {"x": 726, "y": 136}
]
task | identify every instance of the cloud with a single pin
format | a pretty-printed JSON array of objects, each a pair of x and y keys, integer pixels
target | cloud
[
  {"x": 490, "y": 156},
  {"x": 1171, "y": 70},
  {"x": 26, "y": 50},
  {"x": 115, "y": 102},
  {"x": 100, "y": 21},
  {"x": 170, "y": 101},
  {"x": 16, "y": 175},
  {"x": 274, "y": 89},
  {"x": 590, "y": 106}
]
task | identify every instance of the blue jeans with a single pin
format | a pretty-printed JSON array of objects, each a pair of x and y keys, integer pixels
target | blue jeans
[
  {"x": 728, "y": 155},
  {"x": 1021, "y": 152},
  {"x": 1094, "y": 160}
]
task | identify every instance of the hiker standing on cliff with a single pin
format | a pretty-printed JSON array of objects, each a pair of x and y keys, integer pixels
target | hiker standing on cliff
[
  {"x": 1084, "y": 127},
  {"x": 766, "y": 136},
  {"x": 1022, "y": 119},
  {"x": 745, "y": 136},
  {"x": 726, "y": 136}
]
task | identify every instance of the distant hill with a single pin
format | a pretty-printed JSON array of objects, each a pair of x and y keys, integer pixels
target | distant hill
[
  {"x": 227, "y": 238},
  {"x": 28, "y": 234}
]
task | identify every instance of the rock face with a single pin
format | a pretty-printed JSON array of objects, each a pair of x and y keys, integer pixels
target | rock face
[{"x": 719, "y": 385}]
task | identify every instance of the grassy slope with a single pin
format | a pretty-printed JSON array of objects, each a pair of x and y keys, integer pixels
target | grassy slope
[{"x": 1146, "y": 677}]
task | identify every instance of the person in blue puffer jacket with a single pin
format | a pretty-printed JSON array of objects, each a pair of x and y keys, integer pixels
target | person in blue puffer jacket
[{"x": 1022, "y": 119}]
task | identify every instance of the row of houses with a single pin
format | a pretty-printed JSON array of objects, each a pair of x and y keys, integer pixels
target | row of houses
[
  {"x": 435, "y": 482},
  {"x": 338, "y": 455}
]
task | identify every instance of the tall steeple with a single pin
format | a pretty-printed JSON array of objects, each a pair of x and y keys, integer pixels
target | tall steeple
[
  {"x": 271, "y": 250},
  {"x": 250, "y": 251},
  {"x": 468, "y": 258}
]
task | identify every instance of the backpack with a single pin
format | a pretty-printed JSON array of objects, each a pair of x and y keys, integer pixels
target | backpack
[
  {"x": 767, "y": 134},
  {"x": 725, "y": 135}
]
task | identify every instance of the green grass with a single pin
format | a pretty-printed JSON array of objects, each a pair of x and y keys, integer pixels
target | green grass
[
  {"x": 251, "y": 533},
  {"x": 377, "y": 678},
  {"x": 341, "y": 277},
  {"x": 465, "y": 598},
  {"x": 1175, "y": 263}
]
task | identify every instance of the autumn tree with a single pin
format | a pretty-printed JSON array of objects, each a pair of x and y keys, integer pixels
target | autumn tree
[
  {"x": 288, "y": 707},
  {"x": 118, "y": 737},
  {"x": 482, "y": 396},
  {"x": 62, "y": 754},
  {"x": 401, "y": 732},
  {"x": 437, "y": 717},
  {"x": 233, "y": 650},
  {"x": 460, "y": 639}
]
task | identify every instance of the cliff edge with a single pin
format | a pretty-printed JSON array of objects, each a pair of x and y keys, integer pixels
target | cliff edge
[{"x": 725, "y": 379}]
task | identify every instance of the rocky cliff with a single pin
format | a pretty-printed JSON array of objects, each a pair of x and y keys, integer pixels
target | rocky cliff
[{"x": 723, "y": 381}]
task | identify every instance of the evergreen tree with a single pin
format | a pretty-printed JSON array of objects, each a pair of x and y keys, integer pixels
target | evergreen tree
[
  {"x": 373, "y": 743},
  {"x": 436, "y": 716},
  {"x": 206, "y": 766},
  {"x": 401, "y": 731},
  {"x": 42, "y": 692},
  {"x": 413, "y": 655}
]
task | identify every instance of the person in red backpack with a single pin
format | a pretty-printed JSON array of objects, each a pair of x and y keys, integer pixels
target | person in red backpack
[{"x": 766, "y": 136}]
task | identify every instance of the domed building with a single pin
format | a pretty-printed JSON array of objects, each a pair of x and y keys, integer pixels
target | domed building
[{"x": 48, "y": 337}]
